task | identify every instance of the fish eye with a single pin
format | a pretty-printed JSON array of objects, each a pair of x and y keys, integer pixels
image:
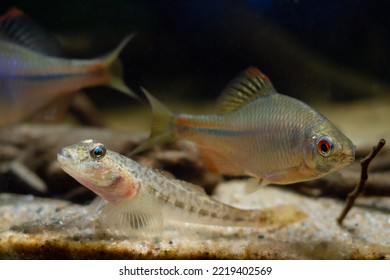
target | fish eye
[
  {"x": 325, "y": 146},
  {"x": 98, "y": 152}
]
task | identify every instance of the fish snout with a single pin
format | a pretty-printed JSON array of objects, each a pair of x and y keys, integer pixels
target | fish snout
[
  {"x": 349, "y": 156},
  {"x": 64, "y": 156}
]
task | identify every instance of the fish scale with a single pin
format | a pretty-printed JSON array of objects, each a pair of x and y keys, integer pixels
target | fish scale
[
  {"x": 198, "y": 206},
  {"x": 140, "y": 200},
  {"x": 174, "y": 194},
  {"x": 257, "y": 132}
]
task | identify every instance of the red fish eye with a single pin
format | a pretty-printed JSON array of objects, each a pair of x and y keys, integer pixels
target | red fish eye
[{"x": 325, "y": 146}]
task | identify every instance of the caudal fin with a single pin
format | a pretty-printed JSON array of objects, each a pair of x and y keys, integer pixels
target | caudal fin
[
  {"x": 115, "y": 70},
  {"x": 278, "y": 216},
  {"x": 162, "y": 128}
]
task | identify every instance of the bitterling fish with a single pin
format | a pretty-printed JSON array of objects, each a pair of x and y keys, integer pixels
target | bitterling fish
[
  {"x": 34, "y": 76},
  {"x": 257, "y": 132},
  {"x": 140, "y": 199}
]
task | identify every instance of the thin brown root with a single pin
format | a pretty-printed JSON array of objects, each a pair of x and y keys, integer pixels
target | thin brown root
[{"x": 363, "y": 179}]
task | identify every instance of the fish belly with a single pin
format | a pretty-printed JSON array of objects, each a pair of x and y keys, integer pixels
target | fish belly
[{"x": 21, "y": 98}]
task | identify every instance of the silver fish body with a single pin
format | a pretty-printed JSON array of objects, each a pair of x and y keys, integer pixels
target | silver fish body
[
  {"x": 35, "y": 78},
  {"x": 20, "y": 62},
  {"x": 258, "y": 132},
  {"x": 274, "y": 138}
]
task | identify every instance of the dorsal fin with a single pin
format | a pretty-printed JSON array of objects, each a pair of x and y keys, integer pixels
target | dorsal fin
[
  {"x": 246, "y": 87},
  {"x": 16, "y": 27},
  {"x": 11, "y": 13}
]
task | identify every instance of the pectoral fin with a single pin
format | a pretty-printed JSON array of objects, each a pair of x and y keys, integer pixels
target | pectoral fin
[
  {"x": 254, "y": 184},
  {"x": 140, "y": 216}
]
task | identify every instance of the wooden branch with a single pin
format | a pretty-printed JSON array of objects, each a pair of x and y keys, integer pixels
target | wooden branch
[{"x": 363, "y": 179}]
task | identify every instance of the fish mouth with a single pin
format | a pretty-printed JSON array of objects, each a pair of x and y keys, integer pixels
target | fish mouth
[
  {"x": 348, "y": 158},
  {"x": 64, "y": 158}
]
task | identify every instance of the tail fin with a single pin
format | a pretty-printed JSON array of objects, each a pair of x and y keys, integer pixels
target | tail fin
[
  {"x": 162, "y": 129},
  {"x": 115, "y": 68},
  {"x": 278, "y": 216}
]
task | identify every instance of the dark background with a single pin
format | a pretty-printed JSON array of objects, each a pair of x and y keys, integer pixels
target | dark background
[{"x": 191, "y": 49}]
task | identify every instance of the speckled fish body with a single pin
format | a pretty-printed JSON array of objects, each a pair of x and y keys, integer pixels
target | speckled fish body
[
  {"x": 139, "y": 199},
  {"x": 258, "y": 132},
  {"x": 33, "y": 75}
]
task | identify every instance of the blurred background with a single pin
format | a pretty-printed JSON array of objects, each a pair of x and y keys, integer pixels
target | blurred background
[
  {"x": 333, "y": 55},
  {"x": 326, "y": 53}
]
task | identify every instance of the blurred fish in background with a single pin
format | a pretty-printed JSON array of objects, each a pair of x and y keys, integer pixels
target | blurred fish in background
[
  {"x": 34, "y": 77},
  {"x": 324, "y": 51}
]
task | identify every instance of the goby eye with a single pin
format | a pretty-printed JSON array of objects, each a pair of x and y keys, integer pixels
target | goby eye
[{"x": 98, "y": 152}]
